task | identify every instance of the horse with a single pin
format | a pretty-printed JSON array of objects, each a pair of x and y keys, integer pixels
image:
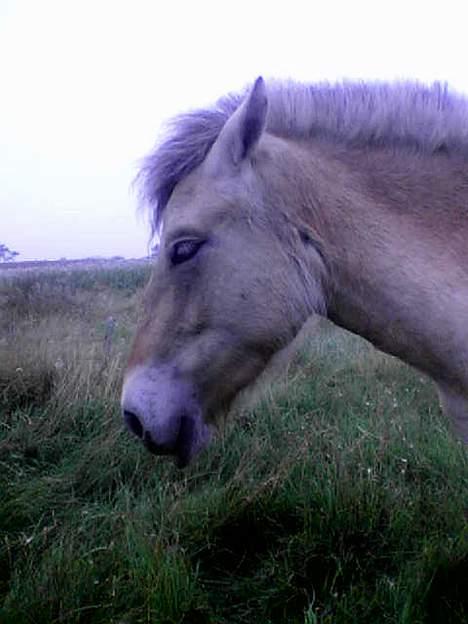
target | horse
[{"x": 348, "y": 201}]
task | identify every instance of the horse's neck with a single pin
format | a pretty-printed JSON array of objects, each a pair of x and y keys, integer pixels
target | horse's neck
[{"x": 397, "y": 275}]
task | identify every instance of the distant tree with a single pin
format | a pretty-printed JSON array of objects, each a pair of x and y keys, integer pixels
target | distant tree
[{"x": 6, "y": 255}]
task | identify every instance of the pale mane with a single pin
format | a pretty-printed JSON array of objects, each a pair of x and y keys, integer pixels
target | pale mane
[{"x": 425, "y": 119}]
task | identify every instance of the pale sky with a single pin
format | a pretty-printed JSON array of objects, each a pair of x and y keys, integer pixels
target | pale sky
[{"x": 85, "y": 86}]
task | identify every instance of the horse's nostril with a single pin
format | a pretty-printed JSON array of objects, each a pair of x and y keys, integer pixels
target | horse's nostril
[{"x": 133, "y": 423}]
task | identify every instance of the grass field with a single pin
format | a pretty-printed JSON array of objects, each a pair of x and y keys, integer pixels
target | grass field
[{"x": 337, "y": 496}]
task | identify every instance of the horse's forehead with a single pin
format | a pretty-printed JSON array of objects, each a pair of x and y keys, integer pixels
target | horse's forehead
[{"x": 198, "y": 200}]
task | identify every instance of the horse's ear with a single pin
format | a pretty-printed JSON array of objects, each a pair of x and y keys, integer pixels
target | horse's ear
[{"x": 244, "y": 128}]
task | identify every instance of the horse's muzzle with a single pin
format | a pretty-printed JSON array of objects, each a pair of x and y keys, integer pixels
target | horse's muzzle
[{"x": 164, "y": 415}]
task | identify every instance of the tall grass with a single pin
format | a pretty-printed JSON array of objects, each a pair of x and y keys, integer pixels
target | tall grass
[{"x": 338, "y": 496}]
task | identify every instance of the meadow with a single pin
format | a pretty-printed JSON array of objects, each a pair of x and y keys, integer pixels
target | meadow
[{"x": 334, "y": 494}]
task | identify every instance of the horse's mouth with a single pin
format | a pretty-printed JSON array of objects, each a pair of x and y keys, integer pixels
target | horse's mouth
[
  {"x": 191, "y": 439},
  {"x": 186, "y": 442}
]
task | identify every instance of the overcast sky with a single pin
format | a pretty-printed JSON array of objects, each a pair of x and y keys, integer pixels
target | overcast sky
[{"x": 86, "y": 84}]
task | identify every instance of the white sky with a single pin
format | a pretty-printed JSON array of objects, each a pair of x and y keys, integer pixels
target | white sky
[{"x": 86, "y": 84}]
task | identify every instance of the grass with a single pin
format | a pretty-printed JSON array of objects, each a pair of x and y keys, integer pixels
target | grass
[{"x": 338, "y": 496}]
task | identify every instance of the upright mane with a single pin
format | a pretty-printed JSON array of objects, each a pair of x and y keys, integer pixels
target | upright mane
[{"x": 424, "y": 119}]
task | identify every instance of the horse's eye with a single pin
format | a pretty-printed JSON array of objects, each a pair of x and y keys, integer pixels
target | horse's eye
[{"x": 184, "y": 250}]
